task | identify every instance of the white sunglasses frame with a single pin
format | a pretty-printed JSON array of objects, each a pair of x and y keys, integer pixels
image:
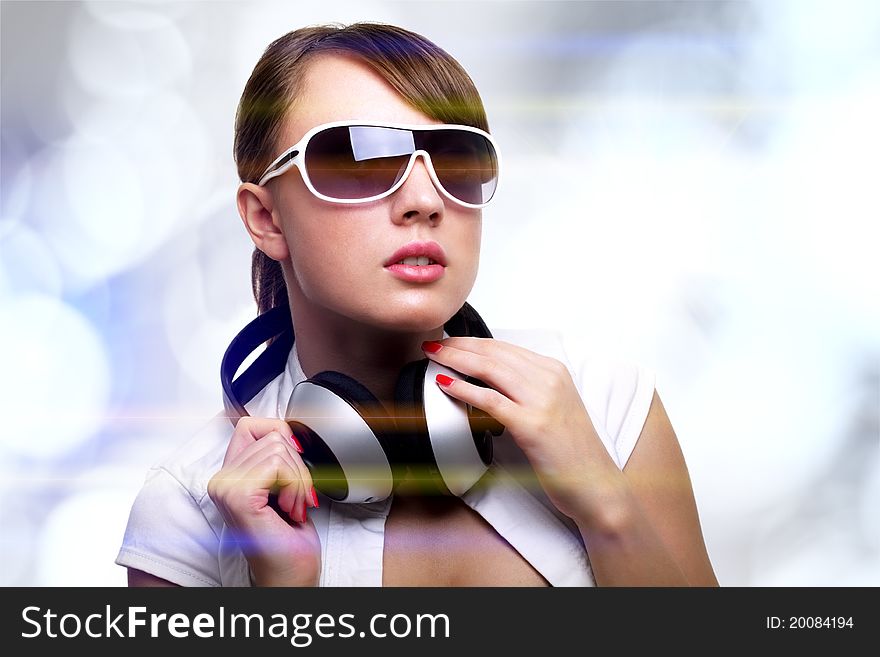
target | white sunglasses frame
[{"x": 294, "y": 156}]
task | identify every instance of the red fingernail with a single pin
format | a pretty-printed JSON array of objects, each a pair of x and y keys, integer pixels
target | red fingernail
[
  {"x": 444, "y": 380},
  {"x": 296, "y": 444},
  {"x": 315, "y": 498},
  {"x": 431, "y": 346}
]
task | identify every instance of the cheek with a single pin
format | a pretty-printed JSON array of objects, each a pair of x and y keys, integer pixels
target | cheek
[
  {"x": 326, "y": 254},
  {"x": 470, "y": 245}
]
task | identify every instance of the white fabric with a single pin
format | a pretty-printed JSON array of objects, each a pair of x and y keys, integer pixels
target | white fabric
[{"x": 175, "y": 532}]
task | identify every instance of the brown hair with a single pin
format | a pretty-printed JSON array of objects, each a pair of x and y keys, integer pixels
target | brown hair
[{"x": 424, "y": 74}]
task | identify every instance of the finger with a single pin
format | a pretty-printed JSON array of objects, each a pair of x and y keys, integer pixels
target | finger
[
  {"x": 271, "y": 475},
  {"x": 491, "y": 401},
  {"x": 287, "y": 500},
  {"x": 288, "y": 485},
  {"x": 496, "y": 349},
  {"x": 247, "y": 491},
  {"x": 294, "y": 449},
  {"x": 305, "y": 475},
  {"x": 292, "y": 498},
  {"x": 513, "y": 381},
  {"x": 250, "y": 429},
  {"x": 273, "y": 444}
]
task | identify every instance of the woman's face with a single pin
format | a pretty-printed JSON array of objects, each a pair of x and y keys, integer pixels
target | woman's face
[{"x": 338, "y": 252}]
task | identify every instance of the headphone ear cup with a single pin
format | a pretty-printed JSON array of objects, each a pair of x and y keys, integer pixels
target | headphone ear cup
[
  {"x": 409, "y": 410},
  {"x": 442, "y": 461},
  {"x": 481, "y": 420},
  {"x": 483, "y": 427},
  {"x": 359, "y": 402},
  {"x": 373, "y": 412}
]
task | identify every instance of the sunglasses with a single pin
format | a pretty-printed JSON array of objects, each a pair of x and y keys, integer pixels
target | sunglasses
[{"x": 359, "y": 162}]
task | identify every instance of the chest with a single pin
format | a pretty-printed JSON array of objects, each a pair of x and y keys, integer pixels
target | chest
[{"x": 443, "y": 542}]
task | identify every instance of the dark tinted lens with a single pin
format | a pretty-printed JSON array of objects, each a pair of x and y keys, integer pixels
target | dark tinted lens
[
  {"x": 465, "y": 163},
  {"x": 355, "y": 162}
]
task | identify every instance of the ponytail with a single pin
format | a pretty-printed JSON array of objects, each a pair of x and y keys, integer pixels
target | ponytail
[{"x": 267, "y": 280}]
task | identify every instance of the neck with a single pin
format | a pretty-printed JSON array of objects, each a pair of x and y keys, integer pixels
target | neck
[{"x": 371, "y": 355}]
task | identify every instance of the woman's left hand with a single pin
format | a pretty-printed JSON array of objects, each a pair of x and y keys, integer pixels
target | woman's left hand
[{"x": 536, "y": 400}]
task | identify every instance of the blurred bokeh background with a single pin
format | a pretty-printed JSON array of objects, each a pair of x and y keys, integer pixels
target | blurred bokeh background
[{"x": 692, "y": 185}]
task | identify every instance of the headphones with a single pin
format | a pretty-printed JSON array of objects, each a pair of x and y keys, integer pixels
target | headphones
[{"x": 356, "y": 449}]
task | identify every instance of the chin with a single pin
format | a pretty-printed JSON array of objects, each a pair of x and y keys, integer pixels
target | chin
[{"x": 415, "y": 318}]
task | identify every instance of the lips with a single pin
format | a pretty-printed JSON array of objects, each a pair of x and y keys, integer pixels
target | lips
[{"x": 431, "y": 250}]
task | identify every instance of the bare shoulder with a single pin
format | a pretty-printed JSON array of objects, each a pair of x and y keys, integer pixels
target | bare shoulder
[
  {"x": 658, "y": 475},
  {"x": 140, "y": 578}
]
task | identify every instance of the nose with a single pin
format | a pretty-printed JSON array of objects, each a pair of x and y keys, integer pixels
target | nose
[{"x": 417, "y": 198}]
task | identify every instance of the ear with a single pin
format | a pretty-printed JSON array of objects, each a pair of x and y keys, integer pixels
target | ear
[{"x": 256, "y": 207}]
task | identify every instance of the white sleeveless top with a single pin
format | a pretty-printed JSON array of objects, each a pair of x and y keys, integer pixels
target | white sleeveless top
[{"x": 175, "y": 532}]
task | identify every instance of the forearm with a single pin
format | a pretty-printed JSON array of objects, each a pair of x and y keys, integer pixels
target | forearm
[
  {"x": 272, "y": 580},
  {"x": 263, "y": 574},
  {"x": 623, "y": 547}
]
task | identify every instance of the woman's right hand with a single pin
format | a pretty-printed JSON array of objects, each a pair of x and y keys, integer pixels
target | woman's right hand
[{"x": 263, "y": 458}]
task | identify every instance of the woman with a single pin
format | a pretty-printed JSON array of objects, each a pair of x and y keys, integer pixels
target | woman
[{"x": 566, "y": 502}]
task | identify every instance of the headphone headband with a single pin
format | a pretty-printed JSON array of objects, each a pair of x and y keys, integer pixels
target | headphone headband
[{"x": 276, "y": 325}]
